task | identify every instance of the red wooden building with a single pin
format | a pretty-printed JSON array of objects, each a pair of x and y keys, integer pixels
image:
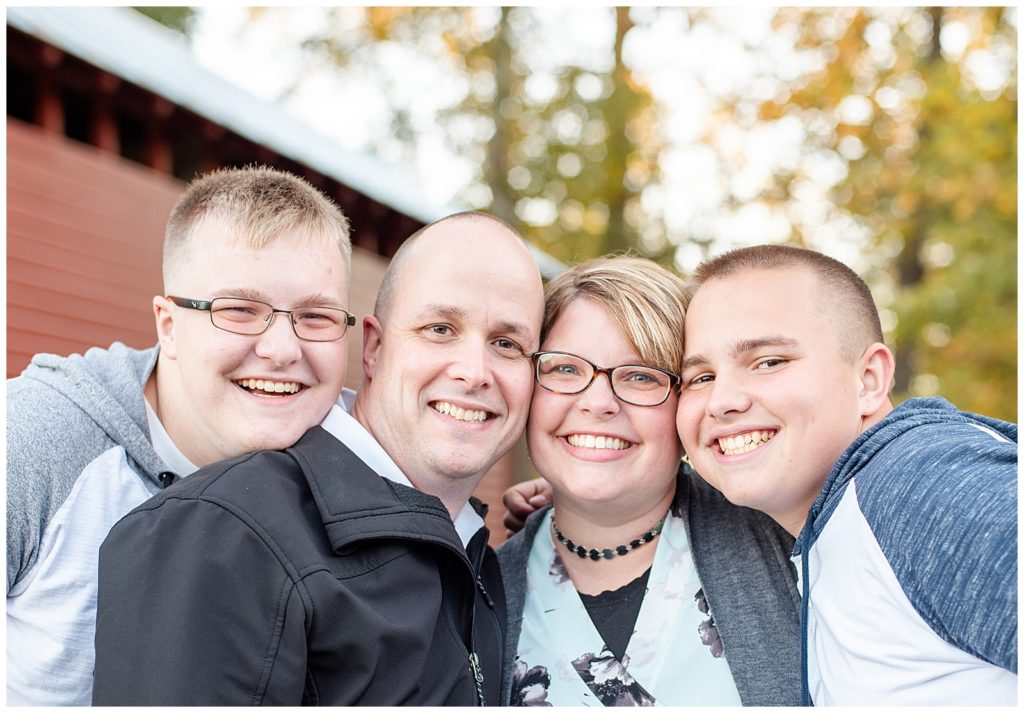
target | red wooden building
[{"x": 108, "y": 116}]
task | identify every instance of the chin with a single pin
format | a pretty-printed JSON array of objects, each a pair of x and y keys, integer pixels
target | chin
[
  {"x": 275, "y": 441},
  {"x": 461, "y": 469}
]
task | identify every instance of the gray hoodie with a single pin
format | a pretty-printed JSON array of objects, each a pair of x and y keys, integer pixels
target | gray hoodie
[{"x": 79, "y": 457}]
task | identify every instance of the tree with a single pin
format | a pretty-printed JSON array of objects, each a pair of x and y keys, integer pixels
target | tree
[
  {"x": 563, "y": 144},
  {"x": 918, "y": 105}
]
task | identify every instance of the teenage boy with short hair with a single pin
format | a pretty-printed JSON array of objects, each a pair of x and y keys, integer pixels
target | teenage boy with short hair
[{"x": 906, "y": 516}]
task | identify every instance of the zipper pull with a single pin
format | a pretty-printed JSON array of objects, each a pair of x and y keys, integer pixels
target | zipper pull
[
  {"x": 478, "y": 677},
  {"x": 483, "y": 590}
]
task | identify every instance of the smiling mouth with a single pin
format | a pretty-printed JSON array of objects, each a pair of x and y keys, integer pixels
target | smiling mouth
[
  {"x": 459, "y": 413},
  {"x": 266, "y": 387},
  {"x": 744, "y": 442},
  {"x": 588, "y": 440}
]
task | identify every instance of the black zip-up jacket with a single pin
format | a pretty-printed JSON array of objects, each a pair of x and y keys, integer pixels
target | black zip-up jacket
[{"x": 296, "y": 577}]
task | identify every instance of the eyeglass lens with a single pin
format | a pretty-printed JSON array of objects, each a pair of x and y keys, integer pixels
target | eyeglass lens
[
  {"x": 569, "y": 374},
  {"x": 317, "y": 324}
]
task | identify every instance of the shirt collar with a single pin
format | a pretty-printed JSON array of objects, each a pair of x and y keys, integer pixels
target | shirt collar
[
  {"x": 169, "y": 453},
  {"x": 343, "y": 426}
]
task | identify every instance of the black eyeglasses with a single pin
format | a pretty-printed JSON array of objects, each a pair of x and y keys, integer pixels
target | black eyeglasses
[
  {"x": 635, "y": 384},
  {"x": 241, "y": 316}
]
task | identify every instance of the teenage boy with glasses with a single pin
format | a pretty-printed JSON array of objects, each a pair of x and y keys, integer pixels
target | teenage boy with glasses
[{"x": 89, "y": 437}]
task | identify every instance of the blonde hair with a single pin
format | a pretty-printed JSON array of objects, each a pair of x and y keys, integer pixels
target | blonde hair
[
  {"x": 258, "y": 203},
  {"x": 646, "y": 300}
]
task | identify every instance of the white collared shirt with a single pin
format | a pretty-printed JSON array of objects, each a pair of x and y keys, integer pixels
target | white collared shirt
[
  {"x": 164, "y": 446},
  {"x": 340, "y": 424}
]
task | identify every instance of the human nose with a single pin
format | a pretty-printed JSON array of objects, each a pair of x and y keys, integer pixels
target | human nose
[
  {"x": 470, "y": 365},
  {"x": 598, "y": 398},
  {"x": 279, "y": 343},
  {"x": 725, "y": 396}
]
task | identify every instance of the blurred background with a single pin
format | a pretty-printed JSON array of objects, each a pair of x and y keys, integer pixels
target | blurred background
[{"x": 886, "y": 138}]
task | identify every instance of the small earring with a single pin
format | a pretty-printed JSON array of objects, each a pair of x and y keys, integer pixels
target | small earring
[{"x": 686, "y": 459}]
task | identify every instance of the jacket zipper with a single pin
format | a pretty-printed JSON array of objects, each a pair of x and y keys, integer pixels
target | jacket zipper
[
  {"x": 474, "y": 661},
  {"x": 478, "y": 676}
]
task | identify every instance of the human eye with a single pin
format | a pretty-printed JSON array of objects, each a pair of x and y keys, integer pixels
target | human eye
[
  {"x": 769, "y": 363},
  {"x": 698, "y": 381},
  {"x": 557, "y": 365},
  {"x": 439, "y": 330},
  {"x": 640, "y": 378},
  {"x": 508, "y": 347},
  {"x": 316, "y": 318},
  {"x": 237, "y": 310}
]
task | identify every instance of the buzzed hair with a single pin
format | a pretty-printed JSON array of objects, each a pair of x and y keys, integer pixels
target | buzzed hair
[
  {"x": 386, "y": 291},
  {"x": 258, "y": 204},
  {"x": 844, "y": 298}
]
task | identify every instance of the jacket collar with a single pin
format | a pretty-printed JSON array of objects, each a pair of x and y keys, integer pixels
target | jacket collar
[{"x": 356, "y": 503}]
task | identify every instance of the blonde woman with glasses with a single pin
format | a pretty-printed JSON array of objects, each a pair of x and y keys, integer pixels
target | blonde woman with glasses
[{"x": 640, "y": 585}]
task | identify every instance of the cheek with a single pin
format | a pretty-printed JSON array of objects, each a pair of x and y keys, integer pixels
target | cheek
[
  {"x": 209, "y": 357},
  {"x": 547, "y": 411},
  {"x": 329, "y": 363},
  {"x": 659, "y": 430},
  {"x": 686, "y": 421},
  {"x": 519, "y": 392}
]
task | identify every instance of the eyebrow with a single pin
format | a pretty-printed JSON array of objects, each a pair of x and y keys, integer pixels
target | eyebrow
[
  {"x": 311, "y": 300},
  {"x": 458, "y": 313},
  {"x": 743, "y": 346}
]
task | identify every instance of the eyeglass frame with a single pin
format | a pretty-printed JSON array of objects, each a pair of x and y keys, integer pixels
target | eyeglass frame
[
  {"x": 207, "y": 306},
  {"x": 675, "y": 379}
]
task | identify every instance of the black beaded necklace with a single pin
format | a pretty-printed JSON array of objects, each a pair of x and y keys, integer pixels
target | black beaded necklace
[{"x": 607, "y": 553}]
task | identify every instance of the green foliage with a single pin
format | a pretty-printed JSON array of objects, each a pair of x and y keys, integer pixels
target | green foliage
[
  {"x": 566, "y": 164},
  {"x": 932, "y": 175},
  {"x": 181, "y": 19}
]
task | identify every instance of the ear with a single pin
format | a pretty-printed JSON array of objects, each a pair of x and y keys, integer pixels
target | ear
[
  {"x": 373, "y": 341},
  {"x": 877, "y": 367},
  {"x": 164, "y": 316}
]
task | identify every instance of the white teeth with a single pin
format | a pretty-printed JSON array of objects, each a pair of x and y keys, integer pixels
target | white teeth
[
  {"x": 744, "y": 442},
  {"x": 461, "y": 414},
  {"x": 586, "y": 440},
  {"x": 268, "y": 386}
]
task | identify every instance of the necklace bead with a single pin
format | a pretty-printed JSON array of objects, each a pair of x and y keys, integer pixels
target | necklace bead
[{"x": 607, "y": 553}]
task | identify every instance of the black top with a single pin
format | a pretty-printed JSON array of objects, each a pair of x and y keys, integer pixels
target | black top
[{"x": 614, "y": 613}]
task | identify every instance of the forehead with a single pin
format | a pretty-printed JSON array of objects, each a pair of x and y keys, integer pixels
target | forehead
[
  {"x": 472, "y": 266},
  {"x": 218, "y": 257},
  {"x": 754, "y": 304},
  {"x": 587, "y": 328}
]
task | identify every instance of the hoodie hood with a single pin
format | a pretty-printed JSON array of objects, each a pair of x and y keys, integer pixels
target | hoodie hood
[
  {"x": 910, "y": 414},
  {"x": 107, "y": 384}
]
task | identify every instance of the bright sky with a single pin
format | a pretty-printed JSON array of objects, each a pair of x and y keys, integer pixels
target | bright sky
[{"x": 737, "y": 52}]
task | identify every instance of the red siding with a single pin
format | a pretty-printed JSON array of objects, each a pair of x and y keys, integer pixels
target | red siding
[{"x": 84, "y": 237}]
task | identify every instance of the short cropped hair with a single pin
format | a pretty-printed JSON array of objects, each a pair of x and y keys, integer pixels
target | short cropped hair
[
  {"x": 257, "y": 203},
  {"x": 386, "y": 291},
  {"x": 647, "y": 301},
  {"x": 842, "y": 292}
]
